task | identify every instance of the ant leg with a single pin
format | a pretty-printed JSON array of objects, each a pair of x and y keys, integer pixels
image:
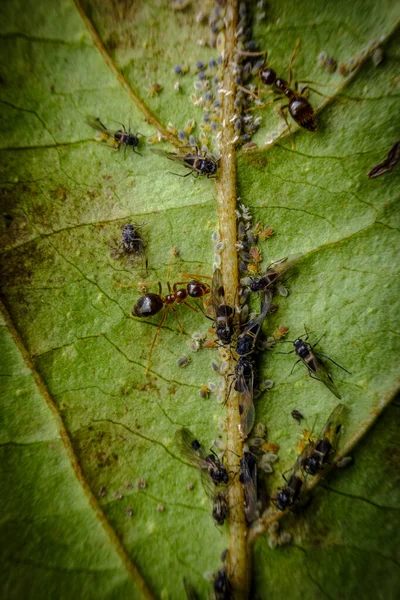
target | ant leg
[
  {"x": 189, "y": 306},
  {"x": 263, "y": 105},
  {"x": 296, "y": 363},
  {"x": 335, "y": 363},
  {"x": 296, "y": 49},
  {"x": 247, "y": 53},
  {"x": 126, "y": 285},
  {"x": 195, "y": 276},
  {"x": 250, "y": 93},
  {"x": 313, "y": 90},
  {"x": 145, "y": 284},
  {"x": 153, "y": 343},
  {"x": 136, "y": 152},
  {"x": 282, "y": 114},
  {"x": 177, "y": 320}
]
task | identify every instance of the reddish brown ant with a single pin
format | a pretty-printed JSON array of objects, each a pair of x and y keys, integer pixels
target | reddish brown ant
[{"x": 151, "y": 304}]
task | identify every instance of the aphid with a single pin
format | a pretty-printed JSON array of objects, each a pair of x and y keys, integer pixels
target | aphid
[
  {"x": 224, "y": 314},
  {"x": 204, "y": 391},
  {"x": 142, "y": 484},
  {"x": 151, "y": 304},
  {"x": 129, "y": 511},
  {"x": 131, "y": 245},
  {"x": 331, "y": 64},
  {"x": 222, "y": 586},
  {"x": 198, "y": 163},
  {"x": 119, "y": 138},
  {"x": 273, "y": 272},
  {"x": 297, "y": 415},
  {"x": 315, "y": 366},
  {"x": 388, "y": 163},
  {"x": 244, "y": 368},
  {"x": 248, "y": 477},
  {"x": 160, "y": 507},
  {"x": 287, "y": 496},
  {"x": 155, "y": 89},
  {"x": 316, "y": 454},
  {"x": 220, "y": 507},
  {"x": 247, "y": 340},
  {"x": 377, "y": 56},
  {"x": 191, "y": 449},
  {"x": 183, "y": 361},
  {"x": 214, "y": 475}
]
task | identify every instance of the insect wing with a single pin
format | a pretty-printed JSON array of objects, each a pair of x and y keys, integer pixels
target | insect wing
[
  {"x": 246, "y": 405},
  {"x": 181, "y": 158},
  {"x": 322, "y": 374},
  {"x": 253, "y": 327},
  {"x": 190, "y": 448},
  {"x": 95, "y": 123},
  {"x": 217, "y": 289},
  {"x": 303, "y": 458},
  {"x": 189, "y": 590},
  {"x": 333, "y": 426},
  {"x": 248, "y": 478}
]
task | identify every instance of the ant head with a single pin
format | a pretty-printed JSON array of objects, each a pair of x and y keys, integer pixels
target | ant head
[
  {"x": 297, "y": 343},
  {"x": 268, "y": 76}
]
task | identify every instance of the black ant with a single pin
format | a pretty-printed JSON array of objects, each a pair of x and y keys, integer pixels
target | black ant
[
  {"x": 151, "y": 304},
  {"x": 299, "y": 107}
]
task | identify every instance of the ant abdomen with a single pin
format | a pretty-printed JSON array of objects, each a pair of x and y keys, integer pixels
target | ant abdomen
[
  {"x": 148, "y": 306},
  {"x": 303, "y": 113}
]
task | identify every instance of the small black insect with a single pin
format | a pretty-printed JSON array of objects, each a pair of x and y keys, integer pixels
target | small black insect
[
  {"x": 297, "y": 415},
  {"x": 270, "y": 277},
  {"x": 198, "y": 163},
  {"x": 287, "y": 496},
  {"x": 224, "y": 314},
  {"x": 388, "y": 163},
  {"x": 313, "y": 361},
  {"x": 247, "y": 340},
  {"x": 244, "y": 384},
  {"x": 192, "y": 450},
  {"x": 214, "y": 475},
  {"x": 316, "y": 454},
  {"x": 248, "y": 477},
  {"x": 220, "y": 507},
  {"x": 222, "y": 586},
  {"x": 131, "y": 244},
  {"x": 118, "y": 138}
]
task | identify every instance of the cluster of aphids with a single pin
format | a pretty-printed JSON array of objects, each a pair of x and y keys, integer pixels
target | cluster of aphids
[{"x": 208, "y": 85}]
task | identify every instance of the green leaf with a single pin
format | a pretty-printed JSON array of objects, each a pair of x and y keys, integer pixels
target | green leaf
[{"x": 82, "y": 423}]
